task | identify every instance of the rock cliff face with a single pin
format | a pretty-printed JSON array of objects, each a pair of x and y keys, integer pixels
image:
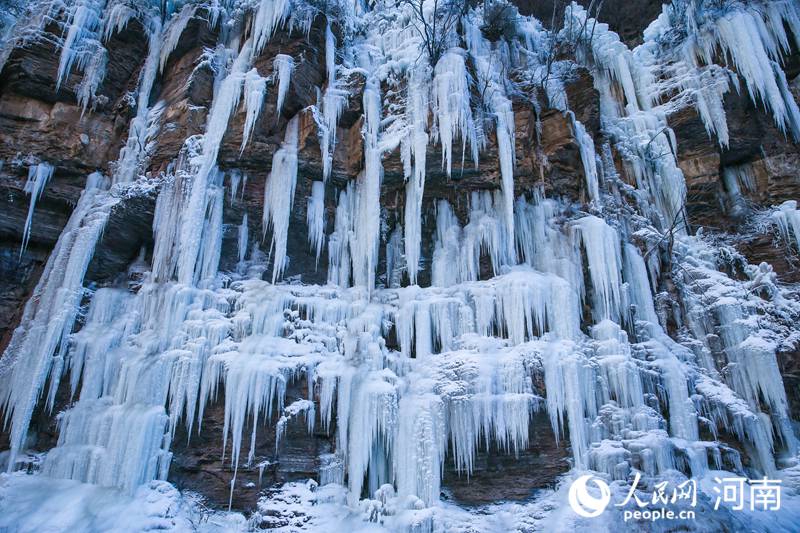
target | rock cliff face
[{"x": 41, "y": 121}]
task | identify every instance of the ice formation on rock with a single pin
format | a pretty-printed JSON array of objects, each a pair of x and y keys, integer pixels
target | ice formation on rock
[
  {"x": 255, "y": 88},
  {"x": 38, "y": 176},
  {"x": 284, "y": 65},
  {"x": 315, "y": 216},
  {"x": 279, "y": 195},
  {"x": 535, "y": 302}
]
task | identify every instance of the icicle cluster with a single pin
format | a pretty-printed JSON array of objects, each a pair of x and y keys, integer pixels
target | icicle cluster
[{"x": 524, "y": 290}]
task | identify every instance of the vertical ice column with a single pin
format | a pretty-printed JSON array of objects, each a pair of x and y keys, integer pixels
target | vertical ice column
[
  {"x": 339, "y": 252},
  {"x": 333, "y": 103},
  {"x": 243, "y": 239},
  {"x": 395, "y": 263},
  {"x": 38, "y": 176},
  {"x": 601, "y": 244},
  {"x": 451, "y": 104},
  {"x": 211, "y": 242},
  {"x": 421, "y": 446},
  {"x": 415, "y": 186},
  {"x": 279, "y": 195},
  {"x": 269, "y": 16},
  {"x": 191, "y": 225},
  {"x": 372, "y": 428},
  {"x": 130, "y": 157},
  {"x": 284, "y": 66},
  {"x": 255, "y": 87},
  {"x": 570, "y": 384},
  {"x": 505, "y": 148},
  {"x": 635, "y": 273},
  {"x": 735, "y": 179},
  {"x": 315, "y": 218},
  {"x": 38, "y": 346},
  {"x": 446, "y": 253},
  {"x": 84, "y": 21},
  {"x": 490, "y": 65},
  {"x": 368, "y": 213},
  {"x": 588, "y": 157}
]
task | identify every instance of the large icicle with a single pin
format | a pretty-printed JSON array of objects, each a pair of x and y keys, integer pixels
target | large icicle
[
  {"x": 490, "y": 65},
  {"x": 315, "y": 217},
  {"x": 368, "y": 212},
  {"x": 191, "y": 229},
  {"x": 39, "y": 346},
  {"x": 415, "y": 186},
  {"x": 279, "y": 196},
  {"x": 38, "y": 176},
  {"x": 284, "y": 66},
  {"x": 269, "y": 16},
  {"x": 84, "y": 21},
  {"x": 130, "y": 157},
  {"x": 255, "y": 88},
  {"x": 333, "y": 104},
  {"x": 601, "y": 244},
  {"x": 451, "y": 96}
]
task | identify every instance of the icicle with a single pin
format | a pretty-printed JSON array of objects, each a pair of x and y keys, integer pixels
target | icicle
[
  {"x": 93, "y": 75},
  {"x": 116, "y": 18},
  {"x": 636, "y": 276},
  {"x": 291, "y": 411},
  {"x": 211, "y": 243},
  {"x": 243, "y": 239},
  {"x": 284, "y": 66},
  {"x": 368, "y": 215},
  {"x": 333, "y": 104},
  {"x": 255, "y": 87},
  {"x": 601, "y": 243},
  {"x": 567, "y": 380},
  {"x": 415, "y": 186},
  {"x": 315, "y": 217},
  {"x": 339, "y": 254},
  {"x": 452, "y": 107},
  {"x": 330, "y": 55},
  {"x": 787, "y": 217},
  {"x": 235, "y": 182},
  {"x": 395, "y": 260},
  {"x": 225, "y": 102},
  {"x": 279, "y": 195},
  {"x": 130, "y": 157},
  {"x": 588, "y": 157},
  {"x": 38, "y": 176},
  {"x": 40, "y": 343},
  {"x": 420, "y": 447},
  {"x": 269, "y": 16},
  {"x": 490, "y": 66},
  {"x": 445, "y": 255},
  {"x": 173, "y": 33},
  {"x": 735, "y": 179},
  {"x": 640, "y": 132},
  {"x": 84, "y": 19},
  {"x": 742, "y": 36}
]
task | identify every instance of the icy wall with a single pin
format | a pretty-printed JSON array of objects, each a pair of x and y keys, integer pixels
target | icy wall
[{"x": 250, "y": 242}]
